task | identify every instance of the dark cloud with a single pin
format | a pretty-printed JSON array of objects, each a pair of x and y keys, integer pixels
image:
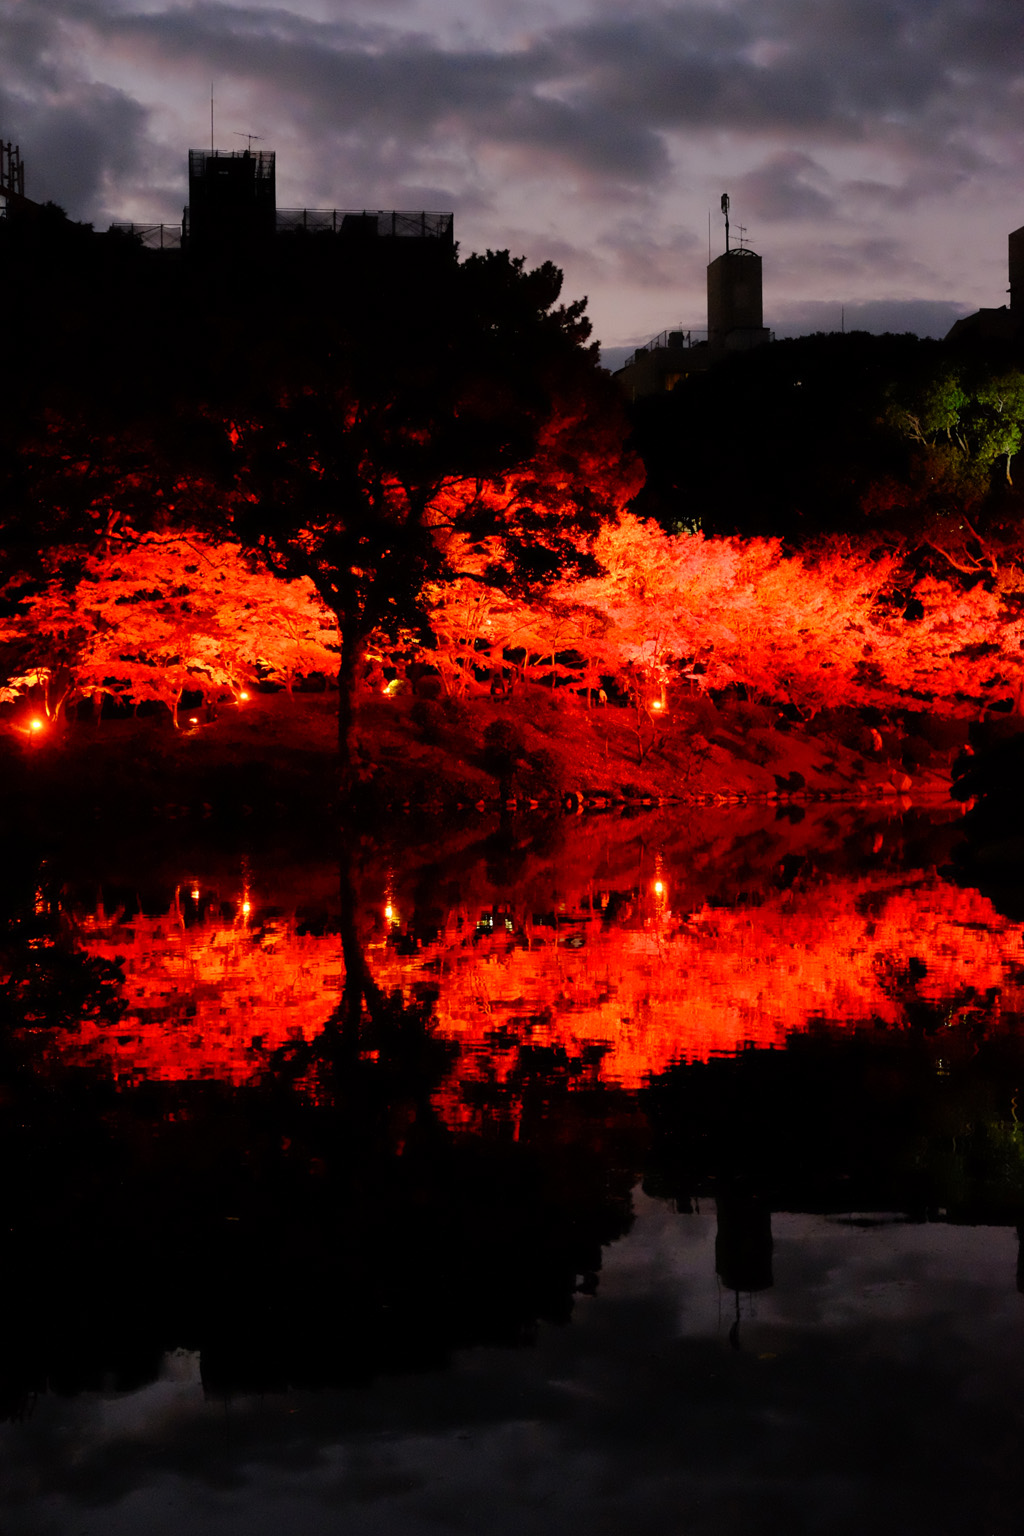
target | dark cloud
[
  {"x": 84, "y": 140},
  {"x": 614, "y": 358},
  {"x": 636, "y": 255},
  {"x": 789, "y": 186},
  {"x": 600, "y": 93},
  {"x": 922, "y": 317},
  {"x": 849, "y": 115}
]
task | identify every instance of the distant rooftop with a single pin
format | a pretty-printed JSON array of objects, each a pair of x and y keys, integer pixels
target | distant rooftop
[
  {"x": 372, "y": 223},
  {"x": 675, "y": 340}
]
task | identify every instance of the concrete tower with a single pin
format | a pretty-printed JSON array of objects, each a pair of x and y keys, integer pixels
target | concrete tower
[
  {"x": 232, "y": 199},
  {"x": 735, "y": 314}
]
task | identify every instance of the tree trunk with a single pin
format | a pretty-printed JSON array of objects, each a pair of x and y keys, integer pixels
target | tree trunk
[
  {"x": 359, "y": 984},
  {"x": 347, "y": 664}
]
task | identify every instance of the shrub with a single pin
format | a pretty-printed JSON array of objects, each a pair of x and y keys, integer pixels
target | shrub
[
  {"x": 429, "y": 718},
  {"x": 542, "y": 776},
  {"x": 456, "y": 711},
  {"x": 503, "y": 747}
]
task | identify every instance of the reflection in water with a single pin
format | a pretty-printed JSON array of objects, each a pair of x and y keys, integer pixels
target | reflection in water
[
  {"x": 643, "y": 982},
  {"x": 202, "y": 1155}
]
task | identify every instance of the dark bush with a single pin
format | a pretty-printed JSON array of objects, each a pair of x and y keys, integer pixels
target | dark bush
[
  {"x": 456, "y": 711},
  {"x": 542, "y": 777},
  {"x": 429, "y": 718},
  {"x": 429, "y": 686},
  {"x": 503, "y": 748}
]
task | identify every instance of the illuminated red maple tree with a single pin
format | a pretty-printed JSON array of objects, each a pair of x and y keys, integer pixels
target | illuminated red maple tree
[
  {"x": 153, "y": 615},
  {"x": 469, "y": 403}
]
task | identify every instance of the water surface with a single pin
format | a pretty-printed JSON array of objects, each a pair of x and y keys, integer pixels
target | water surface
[{"x": 671, "y": 1177}]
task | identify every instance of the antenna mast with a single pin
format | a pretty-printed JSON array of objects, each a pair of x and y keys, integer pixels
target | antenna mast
[
  {"x": 725, "y": 210},
  {"x": 211, "y": 118}
]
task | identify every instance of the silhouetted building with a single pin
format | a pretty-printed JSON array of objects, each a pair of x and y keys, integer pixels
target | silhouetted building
[
  {"x": 665, "y": 360},
  {"x": 1007, "y": 322},
  {"x": 232, "y": 199},
  {"x": 1016, "y": 266},
  {"x": 735, "y": 324},
  {"x": 232, "y": 209},
  {"x": 735, "y": 314}
]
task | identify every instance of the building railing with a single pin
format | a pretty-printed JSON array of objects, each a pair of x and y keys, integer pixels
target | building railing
[
  {"x": 418, "y": 224},
  {"x": 155, "y": 237},
  {"x": 671, "y": 340}
]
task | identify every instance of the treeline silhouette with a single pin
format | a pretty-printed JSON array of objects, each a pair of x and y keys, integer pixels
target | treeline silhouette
[{"x": 811, "y": 436}]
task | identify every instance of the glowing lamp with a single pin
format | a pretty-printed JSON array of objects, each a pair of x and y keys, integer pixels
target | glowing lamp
[
  {"x": 243, "y": 696},
  {"x": 659, "y": 888},
  {"x": 35, "y": 724},
  {"x": 195, "y": 893},
  {"x": 193, "y": 720},
  {"x": 389, "y": 912},
  {"x": 657, "y": 704},
  {"x": 246, "y": 908}
]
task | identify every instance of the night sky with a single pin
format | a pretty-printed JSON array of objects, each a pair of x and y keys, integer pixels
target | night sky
[{"x": 872, "y": 150}]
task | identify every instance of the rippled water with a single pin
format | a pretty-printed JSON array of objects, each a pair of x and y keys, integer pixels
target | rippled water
[{"x": 668, "y": 1175}]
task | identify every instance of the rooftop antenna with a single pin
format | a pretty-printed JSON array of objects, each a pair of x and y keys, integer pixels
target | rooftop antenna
[
  {"x": 725, "y": 210},
  {"x": 743, "y": 235},
  {"x": 211, "y": 118},
  {"x": 250, "y": 136}
]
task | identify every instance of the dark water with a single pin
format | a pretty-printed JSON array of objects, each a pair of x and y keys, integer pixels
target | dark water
[{"x": 665, "y": 1177}]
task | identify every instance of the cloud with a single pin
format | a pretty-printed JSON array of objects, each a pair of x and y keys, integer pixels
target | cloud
[
  {"x": 789, "y": 186},
  {"x": 557, "y": 118},
  {"x": 601, "y": 93},
  {"x": 922, "y": 317}
]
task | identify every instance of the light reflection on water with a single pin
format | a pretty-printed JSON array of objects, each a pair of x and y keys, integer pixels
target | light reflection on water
[
  {"x": 740, "y": 1105},
  {"x": 645, "y": 981}
]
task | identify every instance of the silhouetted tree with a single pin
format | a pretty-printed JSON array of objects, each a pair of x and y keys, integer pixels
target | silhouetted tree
[{"x": 464, "y": 402}]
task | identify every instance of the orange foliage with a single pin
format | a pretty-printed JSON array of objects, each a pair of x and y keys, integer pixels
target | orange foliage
[
  {"x": 819, "y": 628},
  {"x": 153, "y": 615},
  {"x": 652, "y": 984},
  {"x": 150, "y": 616}
]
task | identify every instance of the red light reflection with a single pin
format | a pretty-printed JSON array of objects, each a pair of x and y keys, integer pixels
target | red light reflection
[{"x": 648, "y": 987}]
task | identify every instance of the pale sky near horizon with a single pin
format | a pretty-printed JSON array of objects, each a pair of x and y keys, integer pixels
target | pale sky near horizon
[{"x": 871, "y": 148}]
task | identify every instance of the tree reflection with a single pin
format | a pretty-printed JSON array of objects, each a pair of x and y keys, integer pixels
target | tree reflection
[
  {"x": 317, "y": 1224},
  {"x": 350, "y": 1138}
]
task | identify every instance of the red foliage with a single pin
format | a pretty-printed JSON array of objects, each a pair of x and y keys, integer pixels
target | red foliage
[
  {"x": 146, "y": 617},
  {"x": 656, "y": 982}
]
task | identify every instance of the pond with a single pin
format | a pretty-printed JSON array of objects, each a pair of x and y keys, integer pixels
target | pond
[{"x": 655, "y": 1174}]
